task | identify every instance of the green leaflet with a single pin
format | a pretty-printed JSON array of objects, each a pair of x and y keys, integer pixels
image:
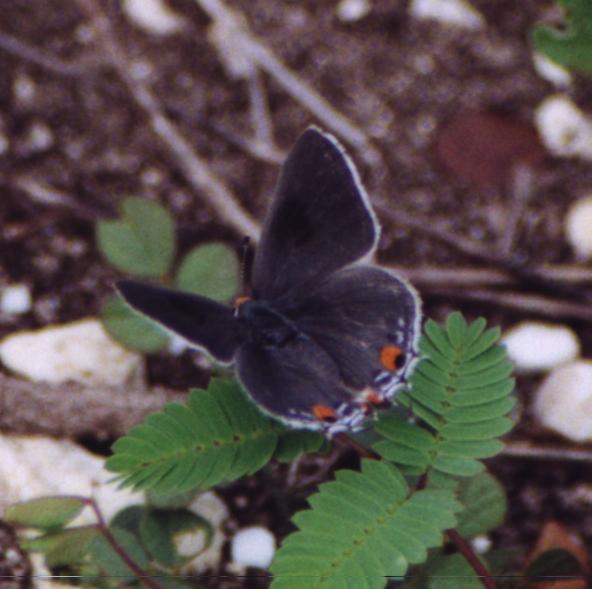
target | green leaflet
[
  {"x": 571, "y": 47},
  {"x": 363, "y": 528},
  {"x": 461, "y": 390},
  {"x": 218, "y": 436}
]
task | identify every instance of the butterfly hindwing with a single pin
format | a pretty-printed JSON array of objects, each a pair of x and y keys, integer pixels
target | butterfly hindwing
[
  {"x": 202, "y": 322},
  {"x": 320, "y": 219},
  {"x": 366, "y": 319}
]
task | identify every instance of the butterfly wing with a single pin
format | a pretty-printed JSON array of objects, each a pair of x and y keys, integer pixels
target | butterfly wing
[
  {"x": 294, "y": 382},
  {"x": 320, "y": 219},
  {"x": 203, "y": 323},
  {"x": 366, "y": 319}
]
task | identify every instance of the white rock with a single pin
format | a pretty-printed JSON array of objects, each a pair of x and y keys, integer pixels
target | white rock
[
  {"x": 213, "y": 509},
  {"x": 563, "y": 402},
  {"x": 253, "y": 547},
  {"x": 451, "y": 12},
  {"x": 534, "y": 346},
  {"x": 353, "y": 10},
  {"x": 551, "y": 71},
  {"x": 153, "y": 16},
  {"x": 79, "y": 351},
  {"x": 481, "y": 544},
  {"x": 15, "y": 299},
  {"x": 564, "y": 129},
  {"x": 578, "y": 227},
  {"x": 32, "y": 467}
]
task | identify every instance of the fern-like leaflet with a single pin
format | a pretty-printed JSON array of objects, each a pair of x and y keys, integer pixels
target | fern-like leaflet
[
  {"x": 218, "y": 436},
  {"x": 461, "y": 390},
  {"x": 363, "y": 528}
]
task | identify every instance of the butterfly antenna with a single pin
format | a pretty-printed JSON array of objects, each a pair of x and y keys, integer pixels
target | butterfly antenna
[{"x": 246, "y": 264}]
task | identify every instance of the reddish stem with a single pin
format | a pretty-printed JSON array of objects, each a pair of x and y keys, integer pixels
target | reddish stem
[
  {"x": 345, "y": 441},
  {"x": 143, "y": 577},
  {"x": 465, "y": 549}
]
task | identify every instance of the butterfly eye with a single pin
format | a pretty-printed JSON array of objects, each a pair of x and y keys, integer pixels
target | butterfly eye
[
  {"x": 392, "y": 357},
  {"x": 324, "y": 413}
]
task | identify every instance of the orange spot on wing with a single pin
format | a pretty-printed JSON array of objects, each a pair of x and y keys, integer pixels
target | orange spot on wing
[
  {"x": 323, "y": 412},
  {"x": 389, "y": 355},
  {"x": 240, "y": 300},
  {"x": 374, "y": 398}
]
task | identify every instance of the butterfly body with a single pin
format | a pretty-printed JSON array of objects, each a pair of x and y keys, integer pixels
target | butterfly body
[{"x": 325, "y": 337}]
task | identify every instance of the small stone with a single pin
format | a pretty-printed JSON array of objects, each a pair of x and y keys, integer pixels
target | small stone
[
  {"x": 551, "y": 71},
  {"x": 563, "y": 402},
  {"x": 564, "y": 129},
  {"x": 80, "y": 351},
  {"x": 452, "y": 12},
  {"x": 535, "y": 346},
  {"x": 481, "y": 544},
  {"x": 28, "y": 469},
  {"x": 353, "y": 10},
  {"x": 153, "y": 16},
  {"x": 253, "y": 547},
  {"x": 15, "y": 299},
  {"x": 578, "y": 227}
]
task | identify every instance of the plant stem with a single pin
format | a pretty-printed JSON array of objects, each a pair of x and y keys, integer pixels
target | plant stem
[
  {"x": 140, "y": 573},
  {"x": 465, "y": 549}
]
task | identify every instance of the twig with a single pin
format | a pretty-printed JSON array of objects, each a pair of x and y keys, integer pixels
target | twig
[
  {"x": 470, "y": 276},
  {"x": 74, "y": 410},
  {"x": 264, "y": 58},
  {"x": 537, "y": 304},
  {"x": 523, "y": 449},
  {"x": 260, "y": 117},
  {"x": 195, "y": 169},
  {"x": 41, "y": 58},
  {"x": 522, "y": 189},
  {"x": 139, "y": 572},
  {"x": 348, "y": 442},
  {"x": 529, "y": 275}
]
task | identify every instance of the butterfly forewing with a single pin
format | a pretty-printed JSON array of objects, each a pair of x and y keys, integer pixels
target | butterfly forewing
[
  {"x": 320, "y": 219},
  {"x": 202, "y": 322}
]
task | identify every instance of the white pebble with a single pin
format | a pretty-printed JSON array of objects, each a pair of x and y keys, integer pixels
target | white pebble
[
  {"x": 452, "y": 12},
  {"x": 24, "y": 89},
  {"x": 551, "y": 71},
  {"x": 481, "y": 544},
  {"x": 564, "y": 129},
  {"x": 578, "y": 227},
  {"x": 563, "y": 402},
  {"x": 353, "y": 10},
  {"x": 153, "y": 16},
  {"x": 15, "y": 299},
  {"x": 80, "y": 351},
  {"x": 29, "y": 468},
  {"x": 253, "y": 547},
  {"x": 536, "y": 346}
]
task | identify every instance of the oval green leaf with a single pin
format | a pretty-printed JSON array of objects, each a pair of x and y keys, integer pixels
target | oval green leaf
[
  {"x": 210, "y": 270},
  {"x": 132, "y": 329},
  {"x": 45, "y": 513},
  {"x": 142, "y": 241}
]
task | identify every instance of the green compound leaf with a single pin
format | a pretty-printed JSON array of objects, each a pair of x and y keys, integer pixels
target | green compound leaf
[
  {"x": 142, "y": 241},
  {"x": 485, "y": 505},
  {"x": 293, "y": 443},
  {"x": 362, "y": 528},
  {"x": 571, "y": 46},
  {"x": 110, "y": 562},
  {"x": 65, "y": 547},
  {"x": 462, "y": 390},
  {"x": 210, "y": 270},
  {"x": 174, "y": 537},
  {"x": 45, "y": 513},
  {"x": 218, "y": 436},
  {"x": 132, "y": 329}
]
